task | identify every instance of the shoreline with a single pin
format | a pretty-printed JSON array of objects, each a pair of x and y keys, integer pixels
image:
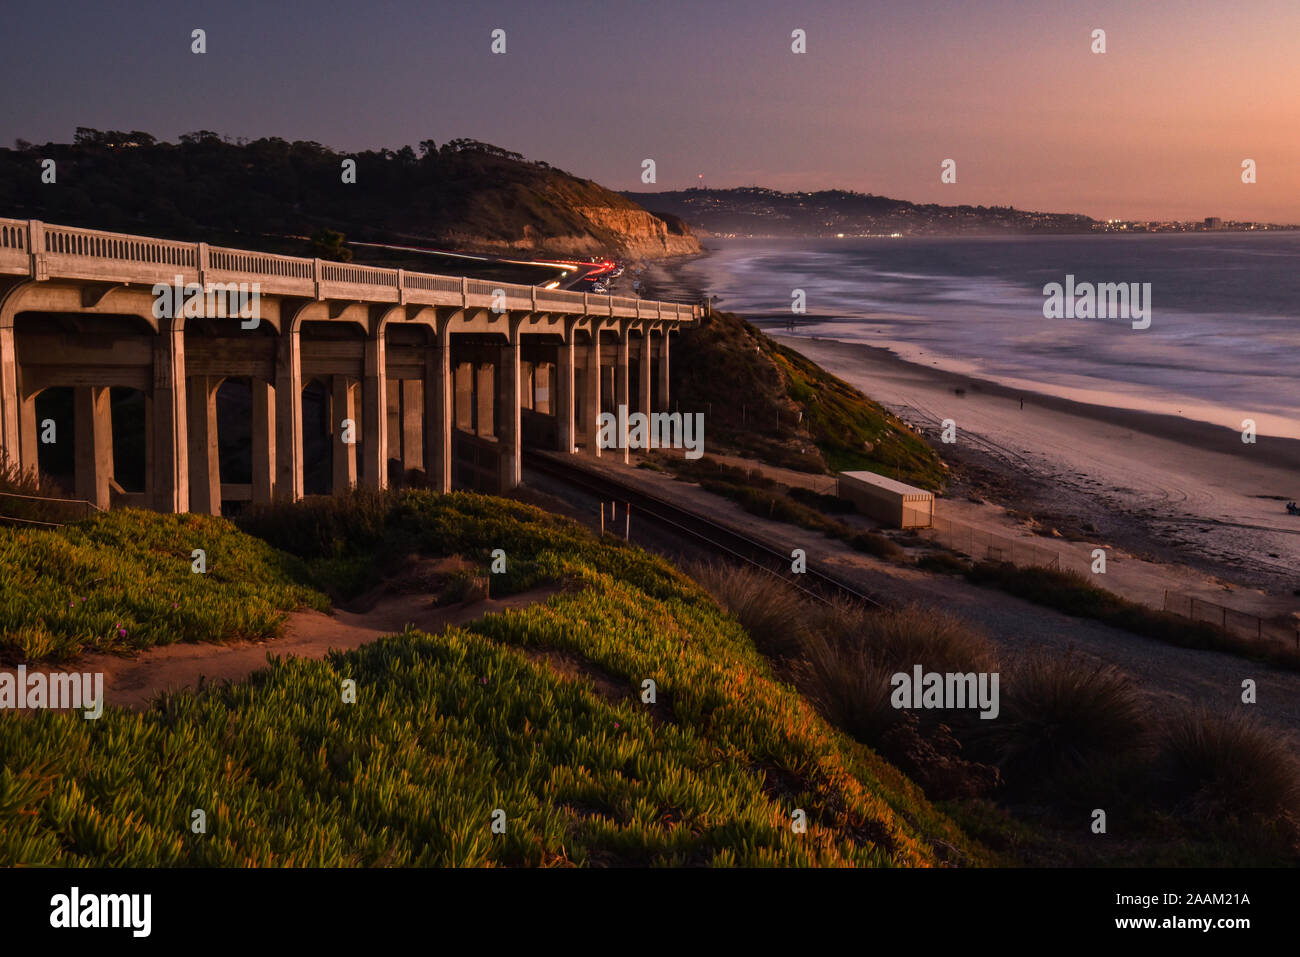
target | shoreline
[
  {"x": 1188, "y": 492},
  {"x": 1205, "y": 436}
]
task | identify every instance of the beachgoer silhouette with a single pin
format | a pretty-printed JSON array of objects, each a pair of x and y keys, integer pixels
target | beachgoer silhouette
[{"x": 1022, "y": 402}]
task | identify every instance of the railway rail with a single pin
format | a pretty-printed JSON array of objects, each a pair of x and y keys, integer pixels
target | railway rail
[{"x": 700, "y": 531}]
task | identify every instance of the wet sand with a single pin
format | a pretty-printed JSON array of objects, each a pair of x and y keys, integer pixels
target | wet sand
[{"x": 1167, "y": 486}]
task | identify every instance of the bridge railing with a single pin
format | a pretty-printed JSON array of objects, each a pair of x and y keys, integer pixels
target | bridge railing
[
  {"x": 13, "y": 234},
  {"x": 14, "y": 257},
  {"x": 358, "y": 275},
  {"x": 49, "y": 251},
  {"x": 428, "y": 282},
  {"x": 94, "y": 244},
  {"x": 221, "y": 259},
  {"x": 559, "y": 298}
]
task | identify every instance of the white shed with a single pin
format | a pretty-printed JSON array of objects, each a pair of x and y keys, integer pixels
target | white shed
[{"x": 888, "y": 501}]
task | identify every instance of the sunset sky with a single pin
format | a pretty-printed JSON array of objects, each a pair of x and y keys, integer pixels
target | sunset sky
[{"x": 1155, "y": 128}]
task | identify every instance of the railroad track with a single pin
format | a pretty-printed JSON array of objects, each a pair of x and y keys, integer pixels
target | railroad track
[{"x": 700, "y": 531}]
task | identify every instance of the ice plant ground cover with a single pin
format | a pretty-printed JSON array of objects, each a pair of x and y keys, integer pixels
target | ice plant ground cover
[
  {"x": 125, "y": 580},
  {"x": 537, "y": 713}
]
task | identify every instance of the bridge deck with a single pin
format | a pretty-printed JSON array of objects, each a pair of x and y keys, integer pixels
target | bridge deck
[{"x": 46, "y": 251}]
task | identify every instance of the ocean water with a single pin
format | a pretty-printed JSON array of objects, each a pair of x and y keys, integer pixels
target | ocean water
[{"x": 1223, "y": 344}]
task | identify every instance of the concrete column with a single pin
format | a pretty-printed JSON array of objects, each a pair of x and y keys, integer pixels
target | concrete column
[
  {"x": 591, "y": 401},
  {"x": 544, "y": 388},
  {"x": 484, "y": 400},
  {"x": 644, "y": 378},
  {"x": 263, "y": 441},
  {"x": 10, "y": 444},
  {"x": 374, "y": 401},
  {"x": 509, "y": 414},
  {"x": 344, "y": 454},
  {"x": 149, "y": 419},
  {"x": 438, "y": 408},
  {"x": 621, "y": 389},
  {"x": 412, "y": 416},
  {"x": 565, "y": 369},
  {"x": 94, "y": 450},
  {"x": 463, "y": 396},
  {"x": 288, "y": 418},
  {"x": 664, "y": 402},
  {"x": 170, "y": 444},
  {"x": 525, "y": 385},
  {"x": 205, "y": 464},
  {"x": 29, "y": 432},
  {"x": 393, "y": 403}
]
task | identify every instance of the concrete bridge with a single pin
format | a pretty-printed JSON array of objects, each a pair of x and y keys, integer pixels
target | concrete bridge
[{"x": 350, "y": 374}]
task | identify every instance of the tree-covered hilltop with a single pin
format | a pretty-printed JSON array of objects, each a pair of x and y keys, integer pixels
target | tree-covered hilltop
[{"x": 269, "y": 191}]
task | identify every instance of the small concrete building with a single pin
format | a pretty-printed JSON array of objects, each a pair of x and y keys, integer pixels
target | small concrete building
[{"x": 893, "y": 503}]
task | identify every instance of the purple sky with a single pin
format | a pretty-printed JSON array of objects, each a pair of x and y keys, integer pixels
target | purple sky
[{"x": 1157, "y": 127}]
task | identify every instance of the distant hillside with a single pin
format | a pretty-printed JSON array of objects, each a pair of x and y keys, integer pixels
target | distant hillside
[
  {"x": 753, "y": 211},
  {"x": 463, "y": 194}
]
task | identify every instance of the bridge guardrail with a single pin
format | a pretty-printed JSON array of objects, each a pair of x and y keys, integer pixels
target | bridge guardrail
[
  {"x": 221, "y": 259},
  {"x": 13, "y": 234},
  {"x": 95, "y": 244},
  {"x": 46, "y": 250}
]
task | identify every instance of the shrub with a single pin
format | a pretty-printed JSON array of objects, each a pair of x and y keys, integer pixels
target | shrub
[
  {"x": 851, "y": 654},
  {"x": 1059, "y": 712},
  {"x": 944, "y": 563},
  {"x": 1074, "y": 594},
  {"x": 707, "y": 467},
  {"x": 849, "y": 684},
  {"x": 771, "y": 611},
  {"x": 321, "y": 526},
  {"x": 466, "y": 585},
  {"x": 27, "y": 498},
  {"x": 831, "y": 504},
  {"x": 914, "y": 635},
  {"x": 1226, "y": 766},
  {"x": 851, "y": 651},
  {"x": 874, "y": 544}
]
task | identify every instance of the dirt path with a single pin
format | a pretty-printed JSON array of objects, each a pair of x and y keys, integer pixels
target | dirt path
[{"x": 133, "y": 682}]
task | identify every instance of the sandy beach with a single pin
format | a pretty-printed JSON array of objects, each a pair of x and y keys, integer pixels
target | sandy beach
[{"x": 1181, "y": 494}]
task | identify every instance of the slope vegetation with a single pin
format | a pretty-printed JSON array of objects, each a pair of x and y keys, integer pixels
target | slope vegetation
[
  {"x": 764, "y": 399},
  {"x": 537, "y": 719}
]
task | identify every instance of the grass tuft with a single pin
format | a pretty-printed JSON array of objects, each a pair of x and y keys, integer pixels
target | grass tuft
[
  {"x": 1058, "y": 713},
  {"x": 1223, "y": 765}
]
